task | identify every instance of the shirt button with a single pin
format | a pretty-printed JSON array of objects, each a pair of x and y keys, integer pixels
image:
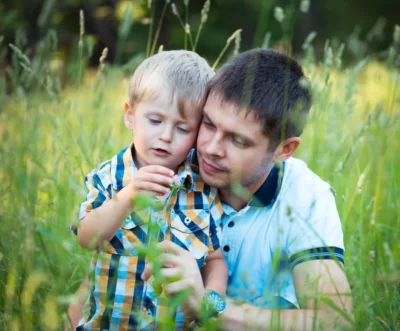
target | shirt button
[
  {"x": 231, "y": 224},
  {"x": 226, "y": 248}
]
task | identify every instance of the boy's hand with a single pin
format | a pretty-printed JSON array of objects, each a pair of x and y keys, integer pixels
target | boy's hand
[{"x": 152, "y": 179}]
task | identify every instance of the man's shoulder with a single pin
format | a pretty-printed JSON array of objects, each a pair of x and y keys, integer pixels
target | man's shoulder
[
  {"x": 298, "y": 176},
  {"x": 301, "y": 187}
]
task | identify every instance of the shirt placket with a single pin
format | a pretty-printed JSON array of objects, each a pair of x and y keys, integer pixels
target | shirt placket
[{"x": 231, "y": 241}]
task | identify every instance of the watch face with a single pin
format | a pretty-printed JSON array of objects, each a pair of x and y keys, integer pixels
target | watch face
[{"x": 216, "y": 301}]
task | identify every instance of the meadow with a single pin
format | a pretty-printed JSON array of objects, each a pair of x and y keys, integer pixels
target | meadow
[{"x": 51, "y": 139}]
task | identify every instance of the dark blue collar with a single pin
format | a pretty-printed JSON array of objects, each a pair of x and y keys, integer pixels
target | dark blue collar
[{"x": 267, "y": 193}]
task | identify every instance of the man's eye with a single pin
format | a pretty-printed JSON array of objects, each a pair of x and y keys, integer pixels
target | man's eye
[
  {"x": 239, "y": 142},
  {"x": 154, "y": 121},
  {"x": 182, "y": 130}
]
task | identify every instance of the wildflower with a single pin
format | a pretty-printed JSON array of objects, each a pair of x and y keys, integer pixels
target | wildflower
[
  {"x": 204, "y": 11},
  {"x": 174, "y": 9},
  {"x": 178, "y": 184},
  {"x": 238, "y": 40},
  {"x": 360, "y": 183},
  {"x": 81, "y": 23},
  {"x": 187, "y": 28},
  {"x": 176, "y": 180},
  {"x": 103, "y": 58},
  {"x": 396, "y": 34},
  {"x": 305, "y": 6},
  {"x": 304, "y": 83},
  {"x": 372, "y": 256},
  {"x": 234, "y": 36},
  {"x": 279, "y": 14}
]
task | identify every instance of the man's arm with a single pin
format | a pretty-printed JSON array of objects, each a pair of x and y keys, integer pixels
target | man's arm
[
  {"x": 324, "y": 296},
  {"x": 321, "y": 286}
]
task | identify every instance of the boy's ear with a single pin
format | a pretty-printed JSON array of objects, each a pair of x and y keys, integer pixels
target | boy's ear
[
  {"x": 286, "y": 149},
  {"x": 128, "y": 116}
]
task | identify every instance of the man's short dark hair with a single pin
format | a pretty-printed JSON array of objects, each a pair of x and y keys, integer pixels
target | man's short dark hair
[{"x": 270, "y": 84}]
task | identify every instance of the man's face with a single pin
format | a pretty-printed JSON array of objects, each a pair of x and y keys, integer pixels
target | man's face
[
  {"x": 162, "y": 135},
  {"x": 231, "y": 147}
]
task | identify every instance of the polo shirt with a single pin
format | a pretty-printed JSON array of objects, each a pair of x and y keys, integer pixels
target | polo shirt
[{"x": 292, "y": 218}]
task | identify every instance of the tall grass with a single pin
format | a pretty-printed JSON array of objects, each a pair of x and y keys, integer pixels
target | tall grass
[{"x": 52, "y": 139}]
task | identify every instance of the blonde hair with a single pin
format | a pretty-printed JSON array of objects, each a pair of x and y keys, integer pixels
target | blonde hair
[{"x": 184, "y": 74}]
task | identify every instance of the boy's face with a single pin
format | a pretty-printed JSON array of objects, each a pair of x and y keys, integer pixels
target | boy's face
[{"x": 161, "y": 134}]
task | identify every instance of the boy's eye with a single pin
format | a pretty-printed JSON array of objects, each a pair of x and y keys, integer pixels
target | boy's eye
[
  {"x": 182, "y": 130},
  {"x": 154, "y": 121}
]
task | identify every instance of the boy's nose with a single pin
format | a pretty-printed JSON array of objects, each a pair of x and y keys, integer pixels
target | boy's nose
[{"x": 166, "y": 135}]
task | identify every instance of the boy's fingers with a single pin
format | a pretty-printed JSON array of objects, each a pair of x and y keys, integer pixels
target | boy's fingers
[
  {"x": 153, "y": 188},
  {"x": 171, "y": 273},
  {"x": 168, "y": 246},
  {"x": 167, "y": 259},
  {"x": 158, "y": 179},
  {"x": 157, "y": 169},
  {"x": 147, "y": 272},
  {"x": 178, "y": 286}
]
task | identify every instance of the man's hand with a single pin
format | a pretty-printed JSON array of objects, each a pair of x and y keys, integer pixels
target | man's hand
[
  {"x": 179, "y": 264},
  {"x": 153, "y": 179}
]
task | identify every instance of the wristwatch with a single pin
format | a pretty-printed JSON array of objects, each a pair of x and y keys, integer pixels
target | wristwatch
[{"x": 214, "y": 304}]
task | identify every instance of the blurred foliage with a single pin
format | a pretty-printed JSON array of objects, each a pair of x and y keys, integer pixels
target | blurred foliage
[
  {"x": 122, "y": 25},
  {"x": 53, "y": 137}
]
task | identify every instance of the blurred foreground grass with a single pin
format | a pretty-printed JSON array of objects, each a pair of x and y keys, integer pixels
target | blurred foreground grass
[{"x": 48, "y": 145}]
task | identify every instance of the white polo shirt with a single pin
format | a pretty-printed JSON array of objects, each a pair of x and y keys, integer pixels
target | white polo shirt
[{"x": 278, "y": 229}]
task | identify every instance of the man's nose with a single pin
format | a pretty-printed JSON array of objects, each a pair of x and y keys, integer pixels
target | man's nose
[{"x": 215, "y": 146}]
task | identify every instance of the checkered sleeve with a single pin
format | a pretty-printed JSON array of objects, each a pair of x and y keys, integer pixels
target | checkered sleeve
[
  {"x": 99, "y": 191},
  {"x": 215, "y": 225}
]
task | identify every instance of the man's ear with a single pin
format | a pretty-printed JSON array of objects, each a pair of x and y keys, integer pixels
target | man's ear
[
  {"x": 286, "y": 149},
  {"x": 128, "y": 116}
]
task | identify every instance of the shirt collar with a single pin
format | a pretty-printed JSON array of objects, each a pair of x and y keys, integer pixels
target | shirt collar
[
  {"x": 268, "y": 192},
  {"x": 123, "y": 168},
  {"x": 266, "y": 195}
]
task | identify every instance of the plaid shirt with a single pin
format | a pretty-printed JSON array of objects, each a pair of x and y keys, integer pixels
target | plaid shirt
[{"x": 119, "y": 294}]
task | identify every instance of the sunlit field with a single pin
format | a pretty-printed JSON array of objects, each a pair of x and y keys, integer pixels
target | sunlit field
[{"x": 51, "y": 139}]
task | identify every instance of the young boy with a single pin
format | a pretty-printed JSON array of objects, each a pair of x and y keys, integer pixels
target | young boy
[{"x": 166, "y": 96}]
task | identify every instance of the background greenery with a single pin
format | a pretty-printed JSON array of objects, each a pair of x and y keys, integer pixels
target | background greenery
[
  {"x": 365, "y": 28},
  {"x": 61, "y": 115}
]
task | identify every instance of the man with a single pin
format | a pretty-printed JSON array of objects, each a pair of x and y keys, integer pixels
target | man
[{"x": 281, "y": 236}]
